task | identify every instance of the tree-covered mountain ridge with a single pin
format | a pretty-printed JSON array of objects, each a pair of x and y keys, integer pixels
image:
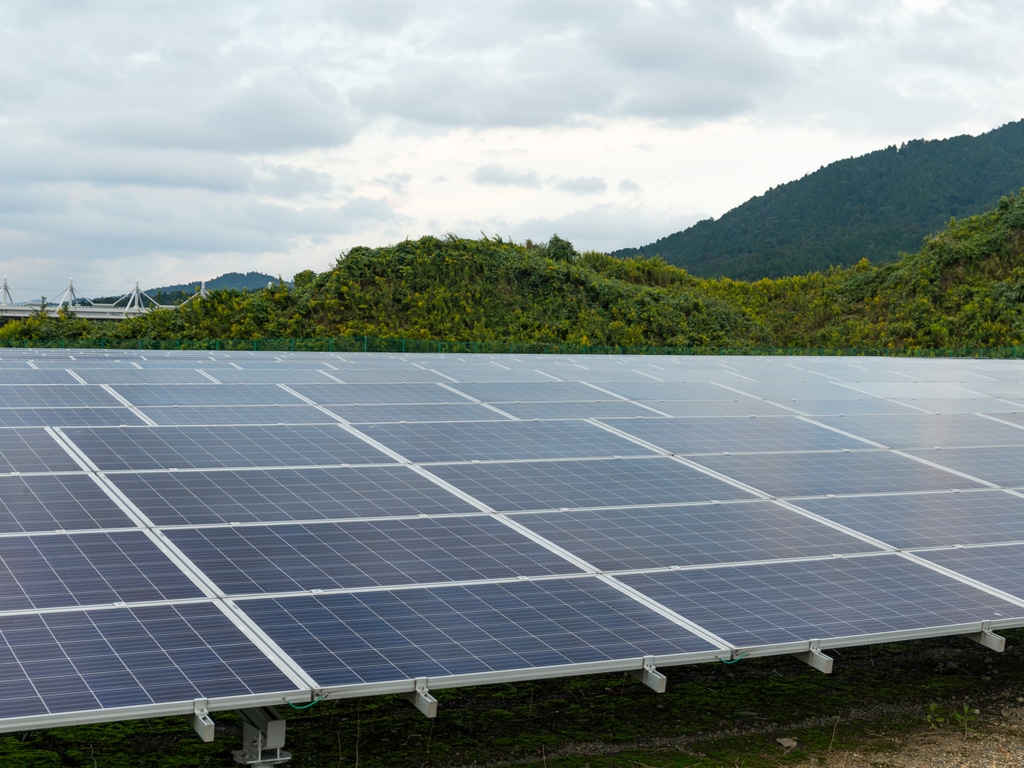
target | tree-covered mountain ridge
[
  {"x": 874, "y": 207},
  {"x": 964, "y": 288}
]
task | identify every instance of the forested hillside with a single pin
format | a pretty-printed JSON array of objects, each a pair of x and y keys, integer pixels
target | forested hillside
[
  {"x": 965, "y": 288},
  {"x": 872, "y": 207}
]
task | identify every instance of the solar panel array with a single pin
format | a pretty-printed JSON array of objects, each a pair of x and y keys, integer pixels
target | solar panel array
[{"x": 225, "y": 530}]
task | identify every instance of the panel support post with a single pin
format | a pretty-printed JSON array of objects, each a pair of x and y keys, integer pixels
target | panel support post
[
  {"x": 650, "y": 676},
  {"x": 989, "y": 639},
  {"x": 202, "y": 722},
  {"x": 422, "y": 699},
  {"x": 815, "y": 658},
  {"x": 262, "y": 738}
]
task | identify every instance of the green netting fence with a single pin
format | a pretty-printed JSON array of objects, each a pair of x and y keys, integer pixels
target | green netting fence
[{"x": 386, "y": 344}]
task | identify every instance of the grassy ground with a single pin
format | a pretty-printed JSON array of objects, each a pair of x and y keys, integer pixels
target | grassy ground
[{"x": 711, "y": 715}]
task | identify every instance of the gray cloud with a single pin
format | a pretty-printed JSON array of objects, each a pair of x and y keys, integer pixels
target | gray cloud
[
  {"x": 582, "y": 185},
  {"x": 500, "y": 176}
]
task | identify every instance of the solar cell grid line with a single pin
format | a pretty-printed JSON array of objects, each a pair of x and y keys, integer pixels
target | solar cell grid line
[
  {"x": 68, "y": 417},
  {"x": 665, "y": 390},
  {"x": 34, "y": 450},
  {"x": 929, "y": 430},
  {"x": 229, "y": 415},
  {"x": 545, "y": 485},
  {"x": 356, "y": 554},
  {"x": 378, "y": 394},
  {"x": 637, "y": 538},
  {"x": 134, "y": 448},
  {"x": 600, "y": 409},
  {"x": 469, "y": 632},
  {"x": 54, "y": 396},
  {"x": 142, "y": 376},
  {"x": 417, "y": 412},
  {"x": 531, "y": 392},
  {"x": 280, "y": 495},
  {"x": 907, "y": 521},
  {"x": 839, "y": 601},
  {"x": 468, "y": 441},
  {"x": 819, "y": 474},
  {"x": 71, "y": 667},
  {"x": 998, "y": 567},
  {"x": 61, "y": 570},
  {"x": 695, "y": 409},
  {"x": 1000, "y": 466},
  {"x": 72, "y": 502},
  {"x": 204, "y": 394},
  {"x": 768, "y": 434}
]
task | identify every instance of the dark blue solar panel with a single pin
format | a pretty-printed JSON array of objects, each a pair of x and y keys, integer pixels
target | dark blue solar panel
[
  {"x": 703, "y": 409},
  {"x": 384, "y": 636},
  {"x": 818, "y": 474},
  {"x": 1002, "y": 466},
  {"x": 468, "y": 441},
  {"x": 394, "y": 412},
  {"x": 286, "y": 558},
  {"x": 720, "y": 435},
  {"x": 56, "y": 502},
  {"x": 68, "y": 417},
  {"x": 33, "y": 450},
  {"x": 227, "y": 446},
  {"x": 783, "y": 602},
  {"x": 375, "y": 394},
  {"x": 183, "y": 415},
  {"x": 667, "y": 390},
  {"x": 53, "y": 571},
  {"x": 34, "y": 377},
  {"x": 201, "y": 498},
  {"x": 141, "y": 376},
  {"x": 1001, "y": 567},
  {"x": 87, "y": 660},
  {"x": 531, "y": 392},
  {"x": 659, "y": 537},
  {"x": 925, "y": 430},
  {"x": 55, "y": 396},
  {"x": 607, "y": 409},
  {"x": 609, "y": 483},
  {"x": 926, "y": 520},
  {"x": 205, "y": 394}
]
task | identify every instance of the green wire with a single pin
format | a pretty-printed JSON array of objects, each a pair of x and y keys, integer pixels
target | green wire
[
  {"x": 305, "y": 706},
  {"x": 733, "y": 661}
]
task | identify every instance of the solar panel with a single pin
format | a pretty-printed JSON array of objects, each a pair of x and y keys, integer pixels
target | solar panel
[
  {"x": 589, "y": 483},
  {"x": 820, "y": 474},
  {"x": 228, "y": 446},
  {"x": 757, "y": 605},
  {"x": 926, "y": 520},
  {"x": 300, "y": 558},
  {"x": 268, "y": 496},
  {"x": 637, "y": 538},
  {"x": 497, "y": 441},
  {"x": 730, "y": 435},
  {"x": 56, "y": 502},
  {"x": 60, "y": 570},
  {"x": 33, "y": 450},
  {"x": 205, "y": 394},
  {"x": 373, "y": 637},
  {"x": 477, "y": 518}
]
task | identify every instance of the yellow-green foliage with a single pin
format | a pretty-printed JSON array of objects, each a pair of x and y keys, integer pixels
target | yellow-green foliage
[{"x": 964, "y": 289}]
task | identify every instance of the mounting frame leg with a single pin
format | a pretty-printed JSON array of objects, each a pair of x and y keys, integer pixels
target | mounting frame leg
[
  {"x": 650, "y": 676},
  {"x": 989, "y": 639},
  {"x": 815, "y": 658},
  {"x": 422, "y": 699},
  {"x": 262, "y": 738}
]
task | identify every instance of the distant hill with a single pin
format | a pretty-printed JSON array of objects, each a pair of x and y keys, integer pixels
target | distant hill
[
  {"x": 873, "y": 207},
  {"x": 249, "y": 281},
  {"x": 237, "y": 281}
]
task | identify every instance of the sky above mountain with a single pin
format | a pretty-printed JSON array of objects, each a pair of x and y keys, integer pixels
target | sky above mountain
[{"x": 170, "y": 141}]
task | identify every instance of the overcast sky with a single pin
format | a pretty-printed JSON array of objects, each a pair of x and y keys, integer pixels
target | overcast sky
[{"x": 174, "y": 140}]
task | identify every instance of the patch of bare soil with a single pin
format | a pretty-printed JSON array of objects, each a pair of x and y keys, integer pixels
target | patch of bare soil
[{"x": 995, "y": 741}]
